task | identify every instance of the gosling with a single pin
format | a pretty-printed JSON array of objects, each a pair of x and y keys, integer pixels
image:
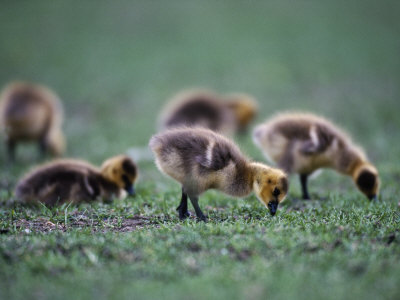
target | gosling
[
  {"x": 30, "y": 112},
  {"x": 200, "y": 159},
  {"x": 201, "y": 108},
  {"x": 303, "y": 143},
  {"x": 77, "y": 181}
]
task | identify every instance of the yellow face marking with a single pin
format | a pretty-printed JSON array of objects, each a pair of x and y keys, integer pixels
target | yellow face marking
[
  {"x": 272, "y": 186},
  {"x": 114, "y": 170}
]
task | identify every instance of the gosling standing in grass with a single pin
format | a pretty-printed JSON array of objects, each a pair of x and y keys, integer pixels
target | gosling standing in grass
[
  {"x": 302, "y": 143},
  {"x": 201, "y": 108},
  {"x": 30, "y": 112},
  {"x": 78, "y": 181},
  {"x": 201, "y": 159}
]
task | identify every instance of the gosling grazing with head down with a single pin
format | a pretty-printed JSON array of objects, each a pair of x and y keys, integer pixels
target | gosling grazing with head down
[
  {"x": 77, "y": 181},
  {"x": 200, "y": 159},
  {"x": 30, "y": 112},
  {"x": 302, "y": 143},
  {"x": 201, "y": 108}
]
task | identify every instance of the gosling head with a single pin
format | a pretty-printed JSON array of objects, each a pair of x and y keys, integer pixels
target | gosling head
[
  {"x": 270, "y": 186},
  {"x": 244, "y": 108},
  {"x": 122, "y": 171},
  {"x": 366, "y": 178}
]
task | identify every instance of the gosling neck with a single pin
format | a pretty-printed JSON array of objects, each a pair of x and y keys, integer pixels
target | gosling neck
[
  {"x": 349, "y": 160},
  {"x": 253, "y": 170},
  {"x": 241, "y": 184}
]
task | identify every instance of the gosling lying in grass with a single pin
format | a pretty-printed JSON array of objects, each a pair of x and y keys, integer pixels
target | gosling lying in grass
[
  {"x": 30, "y": 112},
  {"x": 302, "y": 143},
  {"x": 201, "y": 159},
  {"x": 201, "y": 108},
  {"x": 78, "y": 181}
]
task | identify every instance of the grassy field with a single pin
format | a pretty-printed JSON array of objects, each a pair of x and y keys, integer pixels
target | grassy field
[{"x": 115, "y": 63}]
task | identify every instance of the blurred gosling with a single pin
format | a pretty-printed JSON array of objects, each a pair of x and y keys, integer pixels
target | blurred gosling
[
  {"x": 30, "y": 112},
  {"x": 200, "y": 159},
  {"x": 77, "y": 181},
  {"x": 201, "y": 108},
  {"x": 302, "y": 143}
]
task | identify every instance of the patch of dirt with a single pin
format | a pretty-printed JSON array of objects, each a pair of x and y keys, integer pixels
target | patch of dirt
[
  {"x": 194, "y": 247},
  {"x": 297, "y": 205},
  {"x": 311, "y": 248},
  {"x": 212, "y": 208},
  {"x": 134, "y": 223},
  {"x": 82, "y": 221},
  {"x": 358, "y": 268},
  {"x": 241, "y": 255},
  {"x": 244, "y": 255}
]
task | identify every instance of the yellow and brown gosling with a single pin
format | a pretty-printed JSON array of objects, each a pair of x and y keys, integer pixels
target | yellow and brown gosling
[
  {"x": 201, "y": 159},
  {"x": 77, "y": 181},
  {"x": 30, "y": 112},
  {"x": 201, "y": 108},
  {"x": 302, "y": 143}
]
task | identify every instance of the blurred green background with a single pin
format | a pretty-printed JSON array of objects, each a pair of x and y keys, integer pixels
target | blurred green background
[
  {"x": 115, "y": 63},
  {"x": 118, "y": 61}
]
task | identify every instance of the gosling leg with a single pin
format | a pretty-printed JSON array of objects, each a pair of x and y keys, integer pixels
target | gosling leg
[
  {"x": 303, "y": 181},
  {"x": 42, "y": 148},
  {"x": 199, "y": 213},
  {"x": 11, "y": 145},
  {"x": 183, "y": 207}
]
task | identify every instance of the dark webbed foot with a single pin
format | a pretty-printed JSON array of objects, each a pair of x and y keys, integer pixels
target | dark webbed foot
[
  {"x": 183, "y": 215},
  {"x": 202, "y": 218},
  {"x": 199, "y": 213}
]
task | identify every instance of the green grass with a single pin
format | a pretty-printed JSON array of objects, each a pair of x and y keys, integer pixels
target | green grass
[{"x": 115, "y": 63}]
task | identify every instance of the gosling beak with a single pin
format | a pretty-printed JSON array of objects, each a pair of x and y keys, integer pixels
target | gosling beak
[
  {"x": 373, "y": 198},
  {"x": 131, "y": 190},
  {"x": 273, "y": 207}
]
